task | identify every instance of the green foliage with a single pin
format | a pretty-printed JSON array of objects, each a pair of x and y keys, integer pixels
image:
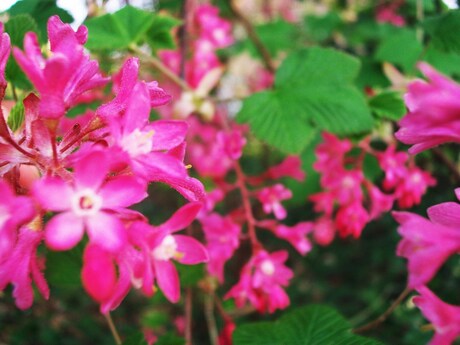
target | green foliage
[
  {"x": 16, "y": 27},
  {"x": 40, "y": 10},
  {"x": 190, "y": 275},
  {"x": 321, "y": 28},
  {"x": 159, "y": 35},
  {"x": 118, "y": 30},
  {"x": 276, "y": 36},
  {"x": 16, "y": 117},
  {"x": 401, "y": 48},
  {"x": 444, "y": 30},
  {"x": 63, "y": 268},
  {"x": 308, "y": 95},
  {"x": 388, "y": 105},
  {"x": 170, "y": 339},
  {"x": 136, "y": 338},
  {"x": 304, "y": 326},
  {"x": 446, "y": 62}
]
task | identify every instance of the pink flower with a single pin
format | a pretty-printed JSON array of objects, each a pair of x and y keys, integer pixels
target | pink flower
[
  {"x": 380, "y": 202},
  {"x": 324, "y": 231},
  {"x": 387, "y": 14},
  {"x": 444, "y": 317},
  {"x": 330, "y": 153},
  {"x": 22, "y": 266},
  {"x": 160, "y": 246},
  {"x": 14, "y": 212},
  {"x": 261, "y": 282},
  {"x": 212, "y": 27},
  {"x": 428, "y": 244},
  {"x": 351, "y": 220},
  {"x": 65, "y": 75},
  {"x": 291, "y": 166},
  {"x": 5, "y": 46},
  {"x": 296, "y": 235},
  {"x": 393, "y": 163},
  {"x": 222, "y": 237},
  {"x": 410, "y": 190},
  {"x": 232, "y": 143},
  {"x": 270, "y": 198},
  {"x": 434, "y": 112},
  {"x": 90, "y": 202}
]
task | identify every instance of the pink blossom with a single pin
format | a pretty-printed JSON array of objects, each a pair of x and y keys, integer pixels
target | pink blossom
[
  {"x": 393, "y": 164},
  {"x": 387, "y": 14},
  {"x": 14, "y": 212},
  {"x": 434, "y": 109},
  {"x": 270, "y": 198},
  {"x": 90, "y": 202},
  {"x": 225, "y": 336},
  {"x": 444, "y": 317},
  {"x": 22, "y": 266},
  {"x": 261, "y": 282},
  {"x": 324, "y": 231},
  {"x": 65, "y": 75},
  {"x": 222, "y": 237},
  {"x": 351, "y": 220},
  {"x": 212, "y": 27},
  {"x": 410, "y": 190},
  {"x": 427, "y": 244},
  {"x": 296, "y": 235},
  {"x": 5, "y": 46},
  {"x": 291, "y": 166},
  {"x": 330, "y": 153},
  {"x": 160, "y": 246},
  {"x": 232, "y": 143},
  {"x": 380, "y": 202}
]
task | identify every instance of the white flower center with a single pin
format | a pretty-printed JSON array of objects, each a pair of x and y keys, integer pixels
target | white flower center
[
  {"x": 267, "y": 267},
  {"x": 86, "y": 203},
  {"x": 166, "y": 250},
  {"x": 137, "y": 143}
]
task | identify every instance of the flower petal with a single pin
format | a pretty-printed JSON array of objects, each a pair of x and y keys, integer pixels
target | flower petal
[
  {"x": 168, "y": 279},
  {"x": 193, "y": 251},
  {"x": 53, "y": 193},
  {"x": 64, "y": 231},
  {"x": 106, "y": 230},
  {"x": 122, "y": 191},
  {"x": 91, "y": 170},
  {"x": 182, "y": 218}
]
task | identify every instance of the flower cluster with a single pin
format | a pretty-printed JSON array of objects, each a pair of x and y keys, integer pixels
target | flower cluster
[
  {"x": 349, "y": 200},
  {"x": 85, "y": 173},
  {"x": 433, "y": 119}
]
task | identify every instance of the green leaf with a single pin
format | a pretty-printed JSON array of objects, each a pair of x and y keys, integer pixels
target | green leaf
[
  {"x": 448, "y": 63},
  {"x": 63, "y": 268},
  {"x": 17, "y": 27},
  {"x": 170, "y": 339},
  {"x": 136, "y": 338},
  {"x": 321, "y": 28},
  {"x": 313, "y": 90},
  {"x": 16, "y": 117},
  {"x": 444, "y": 30},
  {"x": 159, "y": 34},
  {"x": 118, "y": 30},
  {"x": 402, "y": 48},
  {"x": 309, "y": 325},
  {"x": 388, "y": 105},
  {"x": 40, "y": 10}
]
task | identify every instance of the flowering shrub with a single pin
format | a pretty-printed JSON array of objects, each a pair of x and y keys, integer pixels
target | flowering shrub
[{"x": 270, "y": 143}]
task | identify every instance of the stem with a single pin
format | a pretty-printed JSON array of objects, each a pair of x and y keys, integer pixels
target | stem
[
  {"x": 253, "y": 36},
  {"x": 419, "y": 15},
  {"x": 210, "y": 319},
  {"x": 247, "y": 206},
  {"x": 156, "y": 63},
  {"x": 113, "y": 329},
  {"x": 81, "y": 136},
  {"x": 448, "y": 163},
  {"x": 385, "y": 315}
]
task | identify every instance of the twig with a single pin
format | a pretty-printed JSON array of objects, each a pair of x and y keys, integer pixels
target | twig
[
  {"x": 156, "y": 63},
  {"x": 113, "y": 329},
  {"x": 385, "y": 315},
  {"x": 448, "y": 163},
  {"x": 253, "y": 36},
  {"x": 210, "y": 318},
  {"x": 188, "y": 316}
]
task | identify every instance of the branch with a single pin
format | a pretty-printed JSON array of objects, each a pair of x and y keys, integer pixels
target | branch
[
  {"x": 252, "y": 34},
  {"x": 385, "y": 315},
  {"x": 448, "y": 163},
  {"x": 160, "y": 66}
]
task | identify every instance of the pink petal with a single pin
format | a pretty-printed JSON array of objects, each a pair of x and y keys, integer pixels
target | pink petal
[
  {"x": 122, "y": 191},
  {"x": 447, "y": 213},
  {"x": 53, "y": 193},
  {"x": 106, "y": 230},
  {"x": 182, "y": 218},
  {"x": 168, "y": 134},
  {"x": 64, "y": 231},
  {"x": 168, "y": 279},
  {"x": 91, "y": 170},
  {"x": 193, "y": 251}
]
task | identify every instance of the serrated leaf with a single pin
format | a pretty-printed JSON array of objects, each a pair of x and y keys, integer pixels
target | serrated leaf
[
  {"x": 313, "y": 91},
  {"x": 159, "y": 34},
  {"x": 16, "y": 117},
  {"x": 40, "y": 10},
  {"x": 309, "y": 325},
  {"x": 388, "y": 105},
  {"x": 118, "y": 30},
  {"x": 443, "y": 30},
  {"x": 17, "y": 27},
  {"x": 401, "y": 48}
]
